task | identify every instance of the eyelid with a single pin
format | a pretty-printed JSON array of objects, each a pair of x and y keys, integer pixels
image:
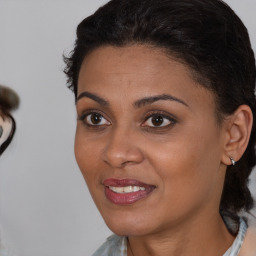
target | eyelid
[
  {"x": 88, "y": 112},
  {"x": 164, "y": 114},
  {"x": 173, "y": 120}
]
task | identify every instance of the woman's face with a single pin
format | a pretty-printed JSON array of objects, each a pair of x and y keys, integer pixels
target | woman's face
[{"x": 147, "y": 140}]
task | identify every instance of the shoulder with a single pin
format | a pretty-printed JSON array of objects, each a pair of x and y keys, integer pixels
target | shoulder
[
  {"x": 113, "y": 246},
  {"x": 249, "y": 245}
]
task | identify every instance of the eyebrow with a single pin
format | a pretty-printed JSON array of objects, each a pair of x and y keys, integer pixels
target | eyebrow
[
  {"x": 94, "y": 97},
  {"x": 138, "y": 104},
  {"x": 149, "y": 100}
]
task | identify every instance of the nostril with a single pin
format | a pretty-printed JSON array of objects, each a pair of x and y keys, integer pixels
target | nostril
[
  {"x": 117, "y": 161},
  {"x": 120, "y": 156}
]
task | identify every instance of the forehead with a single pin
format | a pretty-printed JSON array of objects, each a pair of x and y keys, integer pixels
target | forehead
[
  {"x": 136, "y": 54},
  {"x": 138, "y": 61},
  {"x": 137, "y": 71}
]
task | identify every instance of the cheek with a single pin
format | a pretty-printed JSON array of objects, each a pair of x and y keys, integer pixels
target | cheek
[
  {"x": 188, "y": 167},
  {"x": 86, "y": 154}
]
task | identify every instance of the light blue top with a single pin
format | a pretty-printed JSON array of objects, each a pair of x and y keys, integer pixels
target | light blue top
[{"x": 117, "y": 246}]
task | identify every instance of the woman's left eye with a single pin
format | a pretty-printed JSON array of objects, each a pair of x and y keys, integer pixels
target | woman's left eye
[{"x": 158, "y": 120}]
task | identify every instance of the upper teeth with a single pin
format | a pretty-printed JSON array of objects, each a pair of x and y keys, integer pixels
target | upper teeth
[{"x": 127, "y": 189}]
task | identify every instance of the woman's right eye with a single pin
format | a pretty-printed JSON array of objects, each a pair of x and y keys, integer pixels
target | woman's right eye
[{"x": 94, "y": 119}]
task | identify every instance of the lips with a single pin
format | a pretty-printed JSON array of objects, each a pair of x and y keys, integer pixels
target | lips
[{"x": 126, "y": 191}]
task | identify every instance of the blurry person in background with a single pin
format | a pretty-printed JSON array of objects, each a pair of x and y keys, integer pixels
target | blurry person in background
[{"x": 9, "y": 101}]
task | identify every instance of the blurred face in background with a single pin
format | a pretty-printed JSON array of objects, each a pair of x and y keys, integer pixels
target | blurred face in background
[
  {"x": 5, "y": 128},
  {"x": 9, "y": 100}
]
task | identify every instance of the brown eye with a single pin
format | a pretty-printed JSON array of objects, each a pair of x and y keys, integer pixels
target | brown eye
[
  {"x": 96, "y": 119},
  {"x": 157, "y": 120}
]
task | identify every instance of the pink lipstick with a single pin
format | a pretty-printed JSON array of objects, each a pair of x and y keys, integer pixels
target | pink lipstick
[{"x": 126, "y": 191}]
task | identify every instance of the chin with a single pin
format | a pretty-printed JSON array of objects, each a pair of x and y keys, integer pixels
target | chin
[
  {"x": 129, "y": 226},
  {"x": 128, "y": 230}
]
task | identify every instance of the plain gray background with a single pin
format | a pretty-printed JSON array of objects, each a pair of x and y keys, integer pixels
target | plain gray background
[{"x": 45, "y": 208}]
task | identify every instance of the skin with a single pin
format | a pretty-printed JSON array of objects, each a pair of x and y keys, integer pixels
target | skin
[{"x": 183, "y": 158}]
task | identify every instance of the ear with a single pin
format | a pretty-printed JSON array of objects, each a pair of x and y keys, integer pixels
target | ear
[{"x": 238, "y": 130}]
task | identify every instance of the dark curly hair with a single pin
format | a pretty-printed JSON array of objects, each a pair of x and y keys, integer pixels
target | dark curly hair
[{"x": 205, "y": 35}]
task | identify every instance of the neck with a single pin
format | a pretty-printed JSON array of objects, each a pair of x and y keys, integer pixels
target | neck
[{"x": 200, "y": 237}]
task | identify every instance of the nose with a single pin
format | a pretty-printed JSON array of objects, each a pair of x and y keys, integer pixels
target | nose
[{"x": 122, "y": 149}]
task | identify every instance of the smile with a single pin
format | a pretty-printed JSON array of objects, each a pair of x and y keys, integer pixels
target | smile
[{"x": 126, "y": 191}]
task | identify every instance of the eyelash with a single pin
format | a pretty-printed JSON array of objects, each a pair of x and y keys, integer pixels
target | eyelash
[
  {"x": 86, "y": 114},
  {"x": 161, "y": 114},
  {"x": 149, "y": 115}
]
